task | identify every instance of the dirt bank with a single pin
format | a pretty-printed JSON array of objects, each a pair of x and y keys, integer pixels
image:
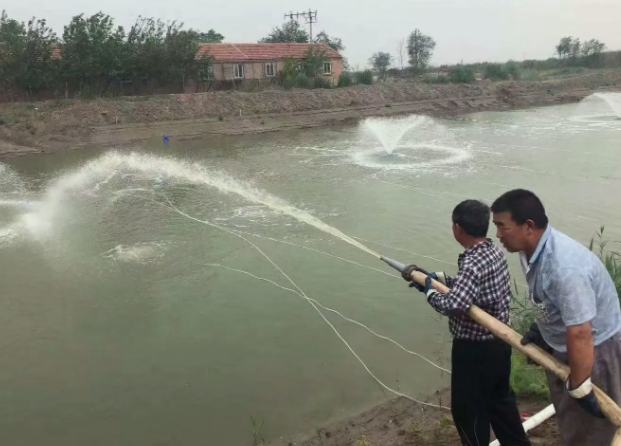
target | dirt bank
[
  {"x": 400, "y": 422},
  {"x": 51, "y": 125}
]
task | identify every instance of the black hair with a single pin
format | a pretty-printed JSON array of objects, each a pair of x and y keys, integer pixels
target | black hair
[
  {"x": 523, "y": 205},
  {"x": 473, "y": 217}
]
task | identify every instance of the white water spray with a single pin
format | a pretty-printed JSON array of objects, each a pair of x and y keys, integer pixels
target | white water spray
[
  {"x": 100, "y": 171},
  {"x": 613, "y": 100},
  {"x": 390, "y": 131}
]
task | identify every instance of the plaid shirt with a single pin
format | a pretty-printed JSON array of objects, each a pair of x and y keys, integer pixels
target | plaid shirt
[{"x": 483, "y": 280}]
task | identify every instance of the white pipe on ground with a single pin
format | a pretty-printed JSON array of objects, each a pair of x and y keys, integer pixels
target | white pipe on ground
[{"x": 533, "y": 421}]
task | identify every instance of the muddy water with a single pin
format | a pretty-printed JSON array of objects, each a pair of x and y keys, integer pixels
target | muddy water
[{"x": 125, "y": 322}]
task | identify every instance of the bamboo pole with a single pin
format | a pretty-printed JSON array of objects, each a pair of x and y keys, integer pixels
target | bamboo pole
[{"x": 502, "y": 331}]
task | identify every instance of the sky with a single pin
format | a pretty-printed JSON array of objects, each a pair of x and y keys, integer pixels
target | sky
[{"x": 464, "y": 30}]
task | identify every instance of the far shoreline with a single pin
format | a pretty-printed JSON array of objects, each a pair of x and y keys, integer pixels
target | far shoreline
[{"x": 57, "y": 125}]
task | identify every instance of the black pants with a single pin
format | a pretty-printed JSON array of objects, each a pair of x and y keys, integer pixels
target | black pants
[{"x": 481, "y": 394}]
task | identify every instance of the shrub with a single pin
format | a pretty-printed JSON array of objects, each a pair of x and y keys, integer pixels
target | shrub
[
  {"x": 321, "y": 82},
  {"x": 495, "y": 72},
  {"x": 301, "y": 80},
  {"x": 461, "y": 75},
  {"x": 364, "y": 77},
  {"x": 345, "y": 79}
]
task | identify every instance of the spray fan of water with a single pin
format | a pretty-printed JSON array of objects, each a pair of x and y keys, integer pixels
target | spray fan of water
[{"x": 39, "y": 222}]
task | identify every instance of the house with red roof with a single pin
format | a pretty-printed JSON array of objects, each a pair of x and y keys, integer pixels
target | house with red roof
[{"x": 264, "y": 61}]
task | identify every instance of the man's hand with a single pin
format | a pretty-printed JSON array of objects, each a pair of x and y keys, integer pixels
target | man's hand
[
  {"x": 407, "y": 272},
  {"x": 533, "y": 336},
  {"x": 584, "y": 396},
  {"x": 424, "y": 288}
]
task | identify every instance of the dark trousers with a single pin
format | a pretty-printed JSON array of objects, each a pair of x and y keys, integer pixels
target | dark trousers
[{"x": 481, "y": 394}]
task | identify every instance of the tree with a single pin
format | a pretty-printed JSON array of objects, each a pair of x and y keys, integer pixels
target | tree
[
  {"x": 210, "y": 36},
  {"x": 333, "y": 42},
  {"x": 12, "y": 44},
  {"x": 592, "y": 47},
  {"x": 574, "y": 49},
  {"x": 93, "y": 52},
  {"x": 314, "y": 58},
  {"x": 180, "y": 55},
  {"x": 420, "y": 49},
  {"x": 289, "y": 33},
  {"x": 25, "y": 54},
  {"x": 591, "y": 52},
  {"x": 564, "y": 47},
  {"x": 37, "y": 66},
  {"x": 381, "y": 61}
]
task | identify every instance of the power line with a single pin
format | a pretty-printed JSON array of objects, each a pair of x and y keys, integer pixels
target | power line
[{"x": 309, "y": 16}]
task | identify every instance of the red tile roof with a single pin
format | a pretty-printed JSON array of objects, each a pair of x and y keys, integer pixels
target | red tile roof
[{"x": 246, "y": 52}]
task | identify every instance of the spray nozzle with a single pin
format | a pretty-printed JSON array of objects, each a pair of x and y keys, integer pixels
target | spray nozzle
[{"x": 394, "y": 263}]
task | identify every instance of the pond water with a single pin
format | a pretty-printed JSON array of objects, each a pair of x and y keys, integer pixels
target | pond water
[{"x": 160, "y": 294}]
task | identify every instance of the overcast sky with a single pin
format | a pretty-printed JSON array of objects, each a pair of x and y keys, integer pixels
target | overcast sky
[{"x": 464, "y": 30}]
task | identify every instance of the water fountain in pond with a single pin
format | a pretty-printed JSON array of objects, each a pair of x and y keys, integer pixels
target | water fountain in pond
[
  {"x": 613, "y": 100},
  {"x": 599, "y": 109},
  {"x": 413, "y": 142},
  {"x": 390, "y": 131}
]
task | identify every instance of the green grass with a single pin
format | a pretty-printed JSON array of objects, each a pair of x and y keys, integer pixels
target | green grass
[
  {"x": 528, "y": 379},
  {"x": 608, "y": 252}
]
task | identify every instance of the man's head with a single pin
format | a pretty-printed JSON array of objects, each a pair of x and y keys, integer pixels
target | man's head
[
  {"x": 520, "y": 220},
  {"x": 470, "y": 221}
]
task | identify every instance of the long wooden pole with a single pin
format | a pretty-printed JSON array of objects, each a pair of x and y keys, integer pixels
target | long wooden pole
[{"x": 502, "y": 331}]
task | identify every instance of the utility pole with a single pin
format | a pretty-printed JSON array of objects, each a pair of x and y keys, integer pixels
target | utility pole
[{"x": 310, "y": 17}]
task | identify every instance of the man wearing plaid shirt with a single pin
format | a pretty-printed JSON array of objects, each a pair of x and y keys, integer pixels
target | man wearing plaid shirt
[{"x": 481, "y": 394}]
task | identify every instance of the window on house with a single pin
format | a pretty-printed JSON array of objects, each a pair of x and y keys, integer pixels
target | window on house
[
  {"x": 270, "y": 69},
  {"x": 239, "y": 71},
  {"x": 210, "y": 74},
  {"x": 327, "y": 68}
]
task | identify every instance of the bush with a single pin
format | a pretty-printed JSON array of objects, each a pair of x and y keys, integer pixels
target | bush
[
  {"x": 461, "y": 75},
  {"x": 321, "y": 82},
  {"x": 513, "y": 70},
  {"x": 345, "y": 79},
  {"x": 495, "y": 72},
  {"x": 301, "y": 80},
  {"x": 364, "y": 77}
]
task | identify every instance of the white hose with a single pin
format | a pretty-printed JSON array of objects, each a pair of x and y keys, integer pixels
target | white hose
[{"x": 533, "y": 421}]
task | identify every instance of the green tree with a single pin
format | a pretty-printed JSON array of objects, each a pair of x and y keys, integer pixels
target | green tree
[
  {"x": 314, "y": 58},
  {"x": 420, "y": 50},
  {"x": 592, "y": 51},
  {"x": 289, "y": 33},
  {"x": 564, "y": 47},
  {"x": 380, "y": 62},
  {"x": 12, "y": 47},
  {"x": 210, "y": 36},
  {"x": 25, "y": 54},
  {"x": 574, "y": 49},
  {"x": 180, "y": 55},
  {"x": 37, "y": 67},
  {"x": 333, "y": 42},
  {"x": 93, "y": 53}
]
